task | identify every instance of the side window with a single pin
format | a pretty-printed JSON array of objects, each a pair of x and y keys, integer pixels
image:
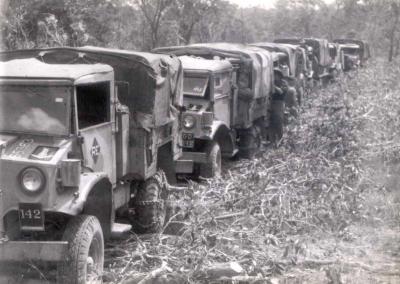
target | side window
[
  {"x": 222, "y": 84},
  {"x": 93, "y": 102}
]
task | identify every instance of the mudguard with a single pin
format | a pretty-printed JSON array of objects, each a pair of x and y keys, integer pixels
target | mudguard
[
  {"x": 221, "y": 133},
  {"x": 217, "y": 125},
  {"x": 76, "y": 203}
]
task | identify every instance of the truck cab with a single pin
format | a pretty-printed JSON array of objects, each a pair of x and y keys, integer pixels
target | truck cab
[
  {"x": 207, "y": 119},
  {"x": 352, "y": 58},
  {"x": 364, "y": 50},
  {"x": 57, "y": 134}
]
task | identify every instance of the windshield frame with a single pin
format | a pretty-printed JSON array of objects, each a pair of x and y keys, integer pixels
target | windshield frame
[
  {"x": 351, "y": 51},
  {"x": 44, "y": 83}
]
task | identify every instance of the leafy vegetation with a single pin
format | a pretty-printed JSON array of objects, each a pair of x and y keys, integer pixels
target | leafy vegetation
[{"x": 145, "y": 24}]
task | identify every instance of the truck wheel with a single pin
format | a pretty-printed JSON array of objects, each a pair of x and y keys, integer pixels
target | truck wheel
[
  {"x": 85, "y": 256},
  {"x": 212, "y": 167},
  {"x": 150, "y": 209},
  {"x": 277, "y": 121}
]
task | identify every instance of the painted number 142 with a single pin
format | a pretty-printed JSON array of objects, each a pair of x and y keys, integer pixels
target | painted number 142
[{"x": 29, "y": 214}]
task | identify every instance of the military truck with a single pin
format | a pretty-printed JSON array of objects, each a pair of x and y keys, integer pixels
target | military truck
[
  {"x": 85, "y": 135},
  {"x": 208, "y": 116},
  {"x": 245, "y": 106},
  {"x": 364, "y": 50},
  {"x": 318, "y": 53}
]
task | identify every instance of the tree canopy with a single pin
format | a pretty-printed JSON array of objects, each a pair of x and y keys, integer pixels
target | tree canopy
[{"x": 145, "y": 24}]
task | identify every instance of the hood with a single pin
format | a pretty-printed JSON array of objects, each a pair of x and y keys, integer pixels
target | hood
[
  {"x": 33, "y": 148},
  {"x": 6, "y": 139}
]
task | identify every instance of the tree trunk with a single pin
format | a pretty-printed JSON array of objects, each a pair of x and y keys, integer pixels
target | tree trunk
[{"x": 396, "y": 12}]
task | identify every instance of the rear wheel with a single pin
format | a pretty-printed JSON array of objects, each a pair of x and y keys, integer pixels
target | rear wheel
[
  {"x": 212, "y": 167},
  {"x": 149, "y": 204},
  {"x": 85, "y": 257}
]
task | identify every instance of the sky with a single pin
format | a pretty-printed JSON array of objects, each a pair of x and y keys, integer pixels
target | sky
[{"x": 260, "y": 3}]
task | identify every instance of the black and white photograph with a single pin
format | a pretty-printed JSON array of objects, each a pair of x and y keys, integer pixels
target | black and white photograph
[{"x": 200, "y": 141}]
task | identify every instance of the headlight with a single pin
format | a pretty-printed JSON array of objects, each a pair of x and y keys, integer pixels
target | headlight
[
  {"x": 189, "y": 121},
  {"x": 32, "y": 180}
]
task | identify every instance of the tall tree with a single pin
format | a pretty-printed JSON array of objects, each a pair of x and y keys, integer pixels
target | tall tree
[
  {"x": 154, "y": 11},
  {"x": 392, "y": 34},
  {"x": 188, "y": 13}
]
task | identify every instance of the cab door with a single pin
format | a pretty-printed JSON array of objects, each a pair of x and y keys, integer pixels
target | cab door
[
  {"x": 222, "y": 97},
  {"x": 96, "y": 126}
]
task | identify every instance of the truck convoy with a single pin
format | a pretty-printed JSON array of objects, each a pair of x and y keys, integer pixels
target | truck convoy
[
  {"x": 91, "y": 138},
  {"x": 86, "y": 135}
]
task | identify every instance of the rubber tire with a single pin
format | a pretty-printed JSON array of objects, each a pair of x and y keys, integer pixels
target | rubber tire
[
  {"x": 277, "y": 121},
  {"x": 212, "y": 167},
  {"x": 149, "y": 219},
  {"x": 81, "y": 233}
]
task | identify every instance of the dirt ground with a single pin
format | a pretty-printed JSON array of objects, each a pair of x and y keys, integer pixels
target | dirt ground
[{"x": 368, "y": 249}]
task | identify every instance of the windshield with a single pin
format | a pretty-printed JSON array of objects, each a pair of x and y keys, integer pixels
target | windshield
[
  {"x": 34, "y": 109},
  {"x": 195, "y": 86},
  {"x": 351, "y": 51}
]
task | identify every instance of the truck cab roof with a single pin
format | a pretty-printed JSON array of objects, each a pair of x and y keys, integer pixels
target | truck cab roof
[
  {"x": 201, "y": 64},
  {"x": 33, "y": 68}
]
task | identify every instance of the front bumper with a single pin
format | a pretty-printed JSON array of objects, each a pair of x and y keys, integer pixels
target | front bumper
[
  {"x": 185, "y": 164},
  {"x": 35, "y": 250}
]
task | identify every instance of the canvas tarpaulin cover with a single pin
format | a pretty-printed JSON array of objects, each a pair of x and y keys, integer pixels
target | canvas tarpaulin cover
[
  {"x": 256, "y": 62},
  {"x": 273, "y": 47}
]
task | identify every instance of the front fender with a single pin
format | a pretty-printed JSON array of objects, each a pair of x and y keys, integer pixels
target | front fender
[
  {"x": 75, "y": 203},
  {"x": 221, "y": 133},
  {"x": 216, "y": 126}
]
